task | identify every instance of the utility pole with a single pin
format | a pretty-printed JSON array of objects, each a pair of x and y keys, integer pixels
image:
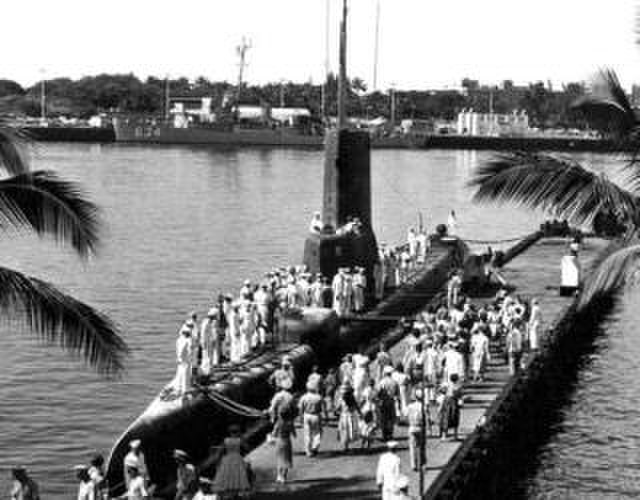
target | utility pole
[
  {"x": 392, "y": 94},
  {"x": 242, "y": 51},
  {"x": 375, "y": 47},
  {"x": 282, "y": 93},
  {"x": 324, "y": 112},
  {"x": 167, "y": 99},
  {"x": 342, "y": 78},
  {"x": 43, "y": 99}
]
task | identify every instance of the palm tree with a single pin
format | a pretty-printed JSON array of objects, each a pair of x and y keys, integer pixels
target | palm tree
[
  {"x": 50, "y": 206},
  {"x": 570, "y": 191}
]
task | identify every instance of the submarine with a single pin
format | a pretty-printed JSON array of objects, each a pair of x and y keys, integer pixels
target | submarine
[
  {"x": 238, "y": 392},
  {"x": 308, "y": 336}
]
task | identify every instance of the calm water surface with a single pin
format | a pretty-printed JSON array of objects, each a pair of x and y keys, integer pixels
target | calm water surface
[{"x": 183, "y": 224}]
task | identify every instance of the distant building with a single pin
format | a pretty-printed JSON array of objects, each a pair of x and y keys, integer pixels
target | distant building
[{"x": 492, "y": 124}]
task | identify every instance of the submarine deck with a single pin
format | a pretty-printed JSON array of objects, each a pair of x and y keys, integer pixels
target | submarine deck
[{"x": 339, "y": 475}]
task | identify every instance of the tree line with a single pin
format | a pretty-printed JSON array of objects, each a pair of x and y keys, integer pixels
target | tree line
[{"x": 127, "y": 93}]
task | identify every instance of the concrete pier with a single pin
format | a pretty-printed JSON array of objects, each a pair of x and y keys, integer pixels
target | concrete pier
[{"x": 452, "y": 466}]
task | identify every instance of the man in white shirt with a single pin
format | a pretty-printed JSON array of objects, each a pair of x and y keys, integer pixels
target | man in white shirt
[{"x": 388, "y": 471}]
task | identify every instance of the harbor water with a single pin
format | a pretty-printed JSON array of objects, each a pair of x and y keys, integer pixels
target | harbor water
[{"x": 183, "y": 224}]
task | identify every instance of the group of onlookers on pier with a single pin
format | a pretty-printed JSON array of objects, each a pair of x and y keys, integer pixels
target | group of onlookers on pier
[{"x": 448, "y": 346}]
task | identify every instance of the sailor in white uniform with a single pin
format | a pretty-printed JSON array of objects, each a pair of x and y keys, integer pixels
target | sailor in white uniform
[
  {"x": 209, "y": 342},
  {"x": 359, "y": 288},
  {"x": 262, "y": 300},
  {"x": 235, "y": 342},
  {"x": 423, "y": 246},
  {"x": 412, "y": 241},
  {"x": 182, "y": 382},
  {"x": 535, "y": 324},
  {"x": 340, "y": 292}
]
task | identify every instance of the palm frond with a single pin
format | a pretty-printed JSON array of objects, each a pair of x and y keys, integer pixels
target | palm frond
[
  {"x": 616, "y": 271},
  {"x": 607, "y": 107},
  {"x": 43, "y": 202},
  {"x": 12, "y": 151},
  {"x": 555, "y": 184},
  {"x": 60, "y": 318}
]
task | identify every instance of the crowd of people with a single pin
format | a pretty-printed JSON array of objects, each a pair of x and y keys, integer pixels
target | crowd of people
[
  {"x": 448, "y": 346},
  {"x": 235, "y": 326}
]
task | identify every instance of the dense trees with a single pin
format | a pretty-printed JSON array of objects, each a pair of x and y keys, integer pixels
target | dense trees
[{"x": 125, "y": 92}]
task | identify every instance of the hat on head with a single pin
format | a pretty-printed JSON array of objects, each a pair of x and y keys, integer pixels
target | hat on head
[
  {"x": 392, "y": 445},
  {"x": 180, "y": 455},
  {"x": 185, "y": 329},
  {"x": 387, "y": 370},
  {"x": 205, "y": 480},
  {"x": 134, "y": 444},
  {"x": 190, "y": 323},
  {"x": 247, "y": 282},
  {"x": 79, "y": 468},
  {"x": 212, "y": 312}
]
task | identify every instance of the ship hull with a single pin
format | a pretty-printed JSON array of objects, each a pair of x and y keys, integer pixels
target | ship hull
[{"x": 136, "y": 132}]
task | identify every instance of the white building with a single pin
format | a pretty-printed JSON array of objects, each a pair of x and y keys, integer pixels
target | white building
[{"x": 492, "y": 124}]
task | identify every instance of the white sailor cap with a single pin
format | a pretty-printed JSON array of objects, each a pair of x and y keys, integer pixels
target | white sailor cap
[
  {"x": 190, "y": 323},
  {"x": 135, "y": 444},
  {"x": 212, "y": 312},
  {"x": 180, "y": 454},
  {"x": 185, "y": 329},
  {"x": 392, "y": 445},
  {"x": 247, "y": 282},
  {"x": 79, "y": 468}
]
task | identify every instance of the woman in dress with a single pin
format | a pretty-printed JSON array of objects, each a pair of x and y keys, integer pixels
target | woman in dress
[
  {"x": 348, "y": 419},
  {"x": 232, "y": 473},
  {"x": 450, "y": 407},
  {"x": 283, "y": 413},
  {"x": 368, "y": 411}
]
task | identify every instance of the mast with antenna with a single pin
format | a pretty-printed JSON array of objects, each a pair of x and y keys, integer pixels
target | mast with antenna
[
  {"x": 242, "y": 51},
  {"x": 375, "y": 47},
  {"x": 342, "y": 78}
]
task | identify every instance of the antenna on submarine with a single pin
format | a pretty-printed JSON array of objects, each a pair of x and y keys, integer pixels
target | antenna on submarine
[{"x": 342, "y": 74}]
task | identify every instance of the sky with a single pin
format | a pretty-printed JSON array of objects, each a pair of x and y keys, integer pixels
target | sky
[{"x": 423, "y": 43}]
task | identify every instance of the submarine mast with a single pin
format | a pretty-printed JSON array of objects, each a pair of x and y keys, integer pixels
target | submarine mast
[{"x": 346, "y": 191}]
